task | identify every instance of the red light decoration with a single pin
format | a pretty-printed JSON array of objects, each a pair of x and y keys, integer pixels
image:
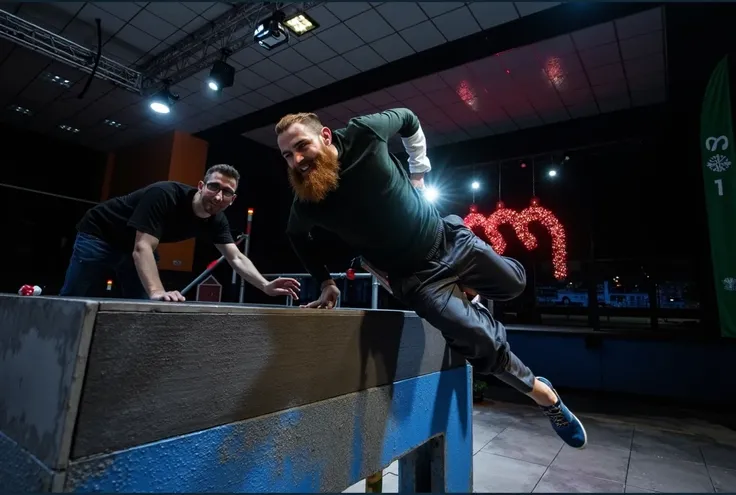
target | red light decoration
[
  {"x": 499, "y": 217},
  {"x": 520, "y": 222},
  {"x": 474, "y": 219}
]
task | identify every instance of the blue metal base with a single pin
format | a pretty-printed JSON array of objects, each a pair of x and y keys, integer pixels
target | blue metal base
[
  {"x": 321, "y": 447},
  {"x": 20, "y": 471}
]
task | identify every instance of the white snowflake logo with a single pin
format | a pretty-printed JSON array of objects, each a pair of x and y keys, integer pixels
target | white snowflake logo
[
  {"x": 718, "y": 163},
  {"x": 729, "y": 284}
]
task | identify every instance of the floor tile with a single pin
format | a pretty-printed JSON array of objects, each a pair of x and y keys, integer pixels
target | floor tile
[
  {"x": 668, "y": 445},
  {"x": 723, "y": 479},
  {"x": 525, "y": 446},
  {"x": 482, "y": 434},
  {"x": 497, "y": 474},
  {"x": 636, "y": 489},
  {"x": 598, "y": 462},
  {"x": 390, "y": 483},
  {"x": 557, "y": 480},
  {"x": 538, "y": 424},
  {"x": 609, "y": 434},
  {"x": 723, "y": 456},
  {"x": 496, "y": 418},
  {"x": 668, "y": 475}
]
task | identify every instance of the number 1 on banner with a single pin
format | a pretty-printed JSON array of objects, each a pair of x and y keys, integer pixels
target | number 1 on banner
[{"x": 719, "y": 184}]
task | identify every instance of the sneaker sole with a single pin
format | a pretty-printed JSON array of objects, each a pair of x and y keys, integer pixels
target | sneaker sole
[{"x": 585, "y": 433}]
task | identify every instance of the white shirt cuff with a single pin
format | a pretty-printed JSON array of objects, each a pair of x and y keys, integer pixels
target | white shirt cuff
[{"x": 416, "y": 147}]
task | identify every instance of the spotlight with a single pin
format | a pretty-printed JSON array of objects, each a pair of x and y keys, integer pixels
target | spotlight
[
  {"x": 300, "y": 24},
  {"x": 163, "y": 101},
  {"x": 552, "y": 173},
  {"x": 271, "y": 33},
  {"x": 431, "y": 194},
  {"x": 475, "y": 185},
  {"x": 222, "y": 75}
]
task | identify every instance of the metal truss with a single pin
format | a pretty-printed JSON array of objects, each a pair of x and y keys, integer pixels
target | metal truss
[
  {"x": 24, "y": 33},
  {"x": 232, "y": 32}
]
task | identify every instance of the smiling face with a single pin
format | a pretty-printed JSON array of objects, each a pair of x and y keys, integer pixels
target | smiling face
[
  {"x": 312, "y": 161},
  {"x": 217, "y": 192}
]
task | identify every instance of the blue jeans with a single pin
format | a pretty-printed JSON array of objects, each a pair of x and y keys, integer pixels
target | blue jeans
[{"x": 92, "y": 261}]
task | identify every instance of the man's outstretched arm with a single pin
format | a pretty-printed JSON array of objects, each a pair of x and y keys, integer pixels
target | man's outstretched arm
[
  {"x": 145, "y": 265},
  {"x": 405, "y": 123},
  {"x": 246, "y": 269}
]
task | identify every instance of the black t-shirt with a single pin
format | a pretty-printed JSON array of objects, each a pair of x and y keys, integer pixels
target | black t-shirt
[
  {"x": 375, "y": 209},
  {"x": 163, "y": 210}
]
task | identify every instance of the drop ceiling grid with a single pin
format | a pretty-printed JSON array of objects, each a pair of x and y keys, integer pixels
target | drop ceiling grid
[
  {"x": 120, "y": 15},
  {"x": 551, "y": 78},
  {"x": 247, "y": 99},
  {"x": 154, "y": 27}
]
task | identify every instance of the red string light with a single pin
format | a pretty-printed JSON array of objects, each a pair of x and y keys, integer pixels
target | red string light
[
  {"x": 499, "y": 217},
  {"x": 474, "y": 219},
  {"x": 520, "y": 222}
]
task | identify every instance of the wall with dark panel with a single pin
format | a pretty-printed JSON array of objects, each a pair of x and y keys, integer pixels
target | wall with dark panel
[{"x": 38, "y": 230}]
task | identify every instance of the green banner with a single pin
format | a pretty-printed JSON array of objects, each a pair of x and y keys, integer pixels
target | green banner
[{"x": 719, "y": 172}]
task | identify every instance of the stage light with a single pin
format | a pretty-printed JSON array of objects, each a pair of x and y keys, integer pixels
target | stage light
[
  {"x": 300, "y": 23},
  {"x": 431, "y": 194},
  {"x": 475, "y": 185},
  {"x": 163, "y": 101},
  {"x": 160, "y": 107},
  {"x": 271, "y": 33},
  {"x": 222, "y": 75},
  {"x": 552, "y": 173}
]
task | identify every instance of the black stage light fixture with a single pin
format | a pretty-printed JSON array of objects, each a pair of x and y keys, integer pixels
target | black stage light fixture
[
  {"x": 222, "y": 76},
  {"x": 270, "y": 33}
]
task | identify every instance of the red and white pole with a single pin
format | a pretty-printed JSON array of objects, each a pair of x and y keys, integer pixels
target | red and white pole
[{"x": 246, "y": 249}]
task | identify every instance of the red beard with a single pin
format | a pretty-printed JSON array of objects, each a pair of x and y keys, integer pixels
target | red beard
[{"x": 320, "y": 180}]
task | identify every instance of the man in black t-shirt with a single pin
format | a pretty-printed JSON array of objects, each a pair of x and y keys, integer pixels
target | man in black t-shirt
[
  {"x": 122, "y": 234},
  {"x": 346, "y": 182}
]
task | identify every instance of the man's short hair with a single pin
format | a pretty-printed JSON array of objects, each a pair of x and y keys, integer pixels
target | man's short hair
[
  {"x": 226, "y": 170},
  {"x": 309, "y": 120}
]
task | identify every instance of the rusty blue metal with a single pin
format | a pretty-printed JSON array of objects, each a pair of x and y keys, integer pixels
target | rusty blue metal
[{"x": 321, "y": 447}]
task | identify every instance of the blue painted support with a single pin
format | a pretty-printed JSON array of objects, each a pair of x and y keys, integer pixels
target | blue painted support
[
  {"x": 21, "y": 471},
  {"x": 154, "y": 397},
  {"x": 321, "y": 447}
]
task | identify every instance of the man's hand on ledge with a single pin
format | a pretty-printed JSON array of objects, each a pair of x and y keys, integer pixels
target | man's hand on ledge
[
  {"x": 328, "y": 297},
  {"x": 171, "y": 296},
  {"x": 283, "y": 287}
]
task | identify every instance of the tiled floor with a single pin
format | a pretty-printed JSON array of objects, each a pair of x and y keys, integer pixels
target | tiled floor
[{"x": 515, "y": 450}]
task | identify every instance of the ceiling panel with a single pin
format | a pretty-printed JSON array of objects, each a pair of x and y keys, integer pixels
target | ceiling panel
[
  {"x": 369, "y": 26},
  {"x": 567, "y": 77},
  {"x": 422, "y": 36},
  {"x": 611, "y": 66},
  {"x": 401, "y": 15},
  {"x": 457, "y": 23},
  {"x": 491, "y": 14}
]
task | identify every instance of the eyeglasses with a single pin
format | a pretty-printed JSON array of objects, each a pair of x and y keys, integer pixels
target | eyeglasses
[{"x": 216, "y": 187}]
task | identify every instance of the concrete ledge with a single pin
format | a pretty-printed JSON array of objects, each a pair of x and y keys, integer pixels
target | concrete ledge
[
  {"x": 321, "y": 447},
  {"x": 228, "y": 388},
  {"x": 43, "y": 354}
]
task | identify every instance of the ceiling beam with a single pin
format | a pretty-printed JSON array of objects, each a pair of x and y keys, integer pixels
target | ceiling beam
[{"x": 527, "y": 30}]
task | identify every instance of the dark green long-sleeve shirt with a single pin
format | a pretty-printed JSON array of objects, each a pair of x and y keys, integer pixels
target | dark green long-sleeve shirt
[{"x": 375, "y": 208}]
